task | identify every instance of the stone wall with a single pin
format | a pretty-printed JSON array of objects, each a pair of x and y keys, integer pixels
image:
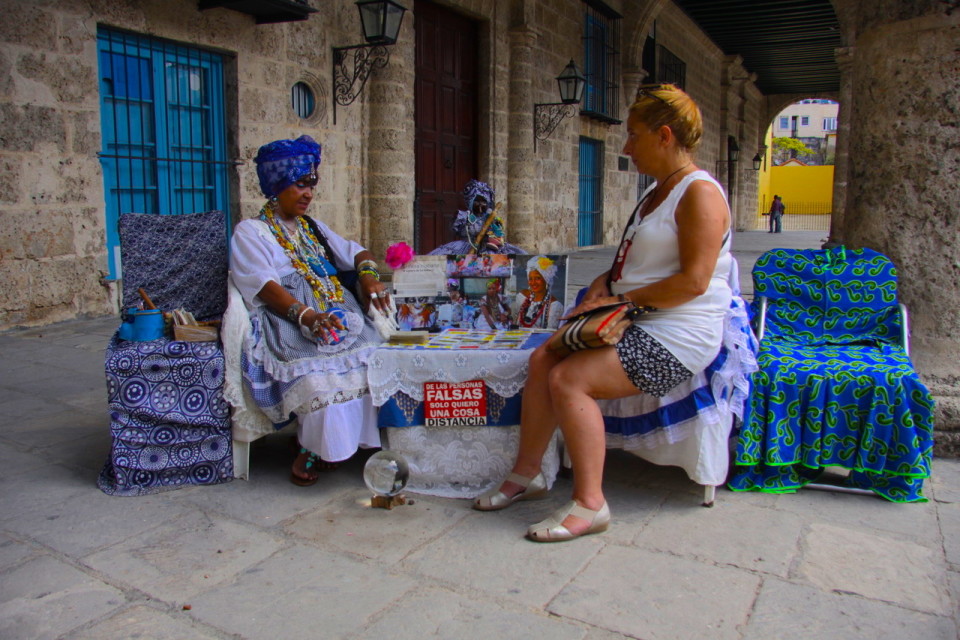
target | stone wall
[
  {"x": 904, "y": 182},
  {"x": 52, "y": 249}
]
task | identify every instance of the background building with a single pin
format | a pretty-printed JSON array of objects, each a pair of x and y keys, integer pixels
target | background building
[{"x": 813, "y": 122}]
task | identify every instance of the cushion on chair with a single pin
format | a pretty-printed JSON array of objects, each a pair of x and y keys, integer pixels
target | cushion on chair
[
  {"x": 835, "y": 296},
  {"x": 179, "y": 260},
  {"x": 834, "y": 388}
]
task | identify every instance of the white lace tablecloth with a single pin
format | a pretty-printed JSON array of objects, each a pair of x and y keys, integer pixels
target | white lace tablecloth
[
  {"x": 454, "y": 462},
  {"x": 462, "y": 462},
  {"x": 393, "y": 369}
]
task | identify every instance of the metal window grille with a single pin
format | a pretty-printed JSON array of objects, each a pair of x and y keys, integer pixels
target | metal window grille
[
  {"x": 601, "y": 62},
  {"x": 302, "y": 100},
  {"x": 590, "y": 213},
  {"x": 670, "y": 68},
  {"x": 163, "y": 130}
]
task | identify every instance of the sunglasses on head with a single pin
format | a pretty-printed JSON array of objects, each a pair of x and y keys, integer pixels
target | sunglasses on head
[{"x": 647, "y": 91}]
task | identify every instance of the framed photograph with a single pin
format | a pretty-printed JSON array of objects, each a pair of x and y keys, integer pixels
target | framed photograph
[{"x": 490, "y": 292}]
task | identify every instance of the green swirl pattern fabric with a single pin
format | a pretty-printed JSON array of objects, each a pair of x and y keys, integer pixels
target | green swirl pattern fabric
[{"x": 835, "y": 388}]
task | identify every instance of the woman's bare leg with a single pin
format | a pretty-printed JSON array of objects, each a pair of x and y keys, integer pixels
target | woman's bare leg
[
  {"x": 574, "y": 385},
  {"x": 537, "y": 420}
]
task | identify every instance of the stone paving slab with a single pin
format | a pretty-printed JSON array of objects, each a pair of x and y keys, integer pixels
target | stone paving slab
[
  {"x": 302, "y": 592},
  {"x": 16, "y": 405},
  {"x": 147, "y": 623},
  {"x": 656, "y": 596},
  {"x": 767, "y": 541},
  {"x": 795, "y": 612},
  {"x": 46, "y": 486},
  {"x": 68, "y": 528},
  {"x": 486, "y": 552},
  {"x": 46, "y": 598},
  {"x": 57, "y": 428},
  {"x": 946, "y": 480},
  {"x": 14, "y": 462},
  {"x": 443, "y": 614},
  {"x": 914, "y": 522},
  {"x": 950, "y": 528},
  {"x": 843, "y": 560},
  {"x": 13, "y": 552},
  {"x": 184, "y": 557},
  {"x": 387, "y": 536},
  {"x": 87, "y": 452}
]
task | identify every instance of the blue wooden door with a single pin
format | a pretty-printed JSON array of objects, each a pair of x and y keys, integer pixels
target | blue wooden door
[
  {"x": 590, "y": 214},
  {"x": 163, "y": 131}
]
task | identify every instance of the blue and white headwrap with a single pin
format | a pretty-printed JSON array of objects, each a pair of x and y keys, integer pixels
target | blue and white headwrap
[
  {"x": 476, "y": 188},
  {"x": 282, "y": 162}
]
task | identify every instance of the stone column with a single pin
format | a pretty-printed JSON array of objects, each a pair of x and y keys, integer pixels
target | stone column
[
  {"x": 390, "y": 174},
  {"x": 521, "y": 160},
  {"x": 632, "y": 79},
  {"x": 904, "y": 186},
  {"x": 841, "y": 162}
]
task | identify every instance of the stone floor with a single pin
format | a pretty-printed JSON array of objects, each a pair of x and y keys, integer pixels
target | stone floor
[{"x": 265, "y": 559}]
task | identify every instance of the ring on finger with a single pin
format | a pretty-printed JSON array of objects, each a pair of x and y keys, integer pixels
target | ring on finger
[{"x": 374, "y": 295}]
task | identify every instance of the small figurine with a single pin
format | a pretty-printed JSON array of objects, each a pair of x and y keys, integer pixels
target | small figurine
[{"x": 482, "y": 230}]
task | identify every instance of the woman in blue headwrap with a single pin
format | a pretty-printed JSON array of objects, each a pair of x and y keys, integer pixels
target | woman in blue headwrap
[
  {"x": 306, "y": 356},
  {"x": 479, "y": 198}
]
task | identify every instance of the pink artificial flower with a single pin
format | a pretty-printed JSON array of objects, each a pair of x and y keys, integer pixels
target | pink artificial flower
[{"x": 398, "y": 255}]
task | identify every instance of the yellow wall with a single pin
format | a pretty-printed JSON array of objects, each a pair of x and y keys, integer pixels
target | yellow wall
[{"x": 807, "y": 189}]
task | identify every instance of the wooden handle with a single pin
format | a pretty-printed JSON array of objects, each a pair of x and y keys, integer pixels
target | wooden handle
[
  {"x": 147, "y": 302},
  {"x": 486, "y": 227}
]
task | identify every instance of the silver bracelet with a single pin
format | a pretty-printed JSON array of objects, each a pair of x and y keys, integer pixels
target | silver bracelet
[
  {"x": 300, "y": 317},
  {"x": 292, "y": 311}
]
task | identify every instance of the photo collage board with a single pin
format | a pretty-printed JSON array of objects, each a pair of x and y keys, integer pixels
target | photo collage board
[{"x": 485, "y": 292}]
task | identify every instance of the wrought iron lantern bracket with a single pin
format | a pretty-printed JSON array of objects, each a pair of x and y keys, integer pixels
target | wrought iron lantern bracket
[
  {"x": 349, "y": 79},
  {"x": 547, "y": 116}
]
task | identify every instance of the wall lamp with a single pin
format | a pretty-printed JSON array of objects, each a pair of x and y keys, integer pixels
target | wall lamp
[
  {"x": 381, "y": 24},
  {"x": 546, "y": 116},
  {"x": 760, "y": 160}
]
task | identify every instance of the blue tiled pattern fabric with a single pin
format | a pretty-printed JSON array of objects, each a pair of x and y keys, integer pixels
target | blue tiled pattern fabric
[
  {"x": 179, "y": 260},
  {"x": 835, "y": 388},
  {"x": 169, "y": 422}
]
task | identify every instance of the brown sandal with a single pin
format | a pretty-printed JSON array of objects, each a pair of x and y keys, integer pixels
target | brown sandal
[{"x": 301, "y": 481}]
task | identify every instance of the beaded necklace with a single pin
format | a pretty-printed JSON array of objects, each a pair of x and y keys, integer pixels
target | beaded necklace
[
  {"x": 541, "y": 308},
  {"x": 307, "y": 257}
]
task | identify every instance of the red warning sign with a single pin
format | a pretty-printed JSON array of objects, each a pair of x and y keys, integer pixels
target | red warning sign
[{"x": 455, "y": 404}]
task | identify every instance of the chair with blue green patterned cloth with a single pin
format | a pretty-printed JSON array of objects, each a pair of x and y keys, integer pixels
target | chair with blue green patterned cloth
[{"x": 836, "y": 387}]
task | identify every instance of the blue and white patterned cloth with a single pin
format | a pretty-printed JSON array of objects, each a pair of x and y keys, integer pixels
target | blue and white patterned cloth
[
  {"x": 169, "y": 422},
  {"x": 179, "y": 260}
]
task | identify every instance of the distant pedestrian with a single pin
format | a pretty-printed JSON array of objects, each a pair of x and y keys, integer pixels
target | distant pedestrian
[{"x": 776, "y": 215}]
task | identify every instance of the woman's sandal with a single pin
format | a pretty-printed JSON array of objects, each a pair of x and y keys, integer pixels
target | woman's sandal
[
  {"x": 495, "y": 500},
  {"x": 552, "y": 529},
  {"x": 301, "y": 481}
]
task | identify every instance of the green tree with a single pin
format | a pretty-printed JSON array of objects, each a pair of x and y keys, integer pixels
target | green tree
[{"x": 786, "y": 148}]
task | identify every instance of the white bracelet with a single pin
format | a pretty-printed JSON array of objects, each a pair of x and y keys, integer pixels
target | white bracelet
[{"x": 300, "y": 317}]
